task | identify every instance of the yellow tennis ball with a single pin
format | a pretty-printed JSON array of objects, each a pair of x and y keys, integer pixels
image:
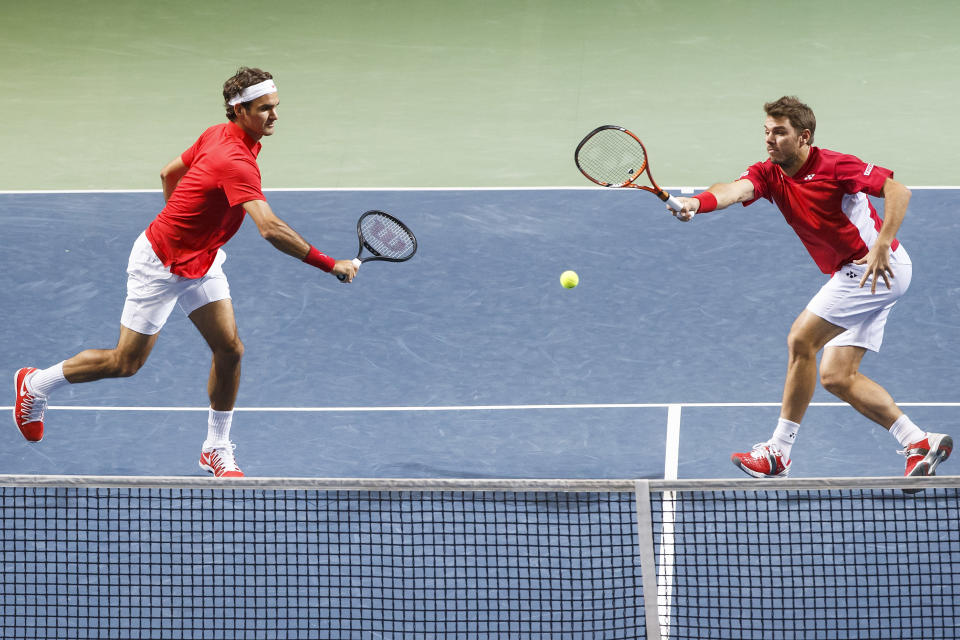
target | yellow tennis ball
[{"x": 569, "y": 279}]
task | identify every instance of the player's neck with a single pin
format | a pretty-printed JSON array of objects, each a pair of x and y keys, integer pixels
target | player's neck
[{"x": 797, "y": 162}]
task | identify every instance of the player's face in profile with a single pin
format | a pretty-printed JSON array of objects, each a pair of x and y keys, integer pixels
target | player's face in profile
[
  {"x": 258, "y": 118},
  {"x": 783, "y": 141}
]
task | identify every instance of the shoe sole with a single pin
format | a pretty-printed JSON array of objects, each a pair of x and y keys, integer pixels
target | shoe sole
[
  {"x": 927, "y": 467},
  {"x": 13, "y": 412},
  {"x": 210, "y": 469},
  {"x": 756, "y": 474}
]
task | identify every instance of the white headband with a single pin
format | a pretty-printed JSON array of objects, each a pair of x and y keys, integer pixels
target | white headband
[{"x": 253, "y": 92}]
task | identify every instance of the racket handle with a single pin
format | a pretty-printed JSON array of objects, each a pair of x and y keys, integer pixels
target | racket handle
[
  {"x": 356, "y": 262},
  {"x": 673, "y": 203}
]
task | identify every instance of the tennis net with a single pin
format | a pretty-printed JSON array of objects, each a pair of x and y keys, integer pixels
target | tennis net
[{"x": 111, "y": 557}]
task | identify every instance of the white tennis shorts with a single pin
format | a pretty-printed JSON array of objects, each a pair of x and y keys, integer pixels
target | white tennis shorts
[
  {"x": 152, "y": 291},
  {"x": 841, "y": 301}
]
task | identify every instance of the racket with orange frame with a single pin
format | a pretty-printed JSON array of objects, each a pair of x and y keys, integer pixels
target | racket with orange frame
[{"x": 612, "y": 156}]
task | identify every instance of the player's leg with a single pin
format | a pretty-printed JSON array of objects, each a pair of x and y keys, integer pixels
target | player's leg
[
  {"x": 807, "y": 336},
  {"x": 840, "y": 375},
  {"x": 151, "y": 295},
  {"x": 208, "y": 305},
  {"x": 122, "y": 361},
  {"x": 34, "y": 386},
  {"x": 217, "y": 325}
]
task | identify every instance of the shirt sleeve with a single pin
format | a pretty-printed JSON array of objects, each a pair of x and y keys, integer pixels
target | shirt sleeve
[
  {"x": 188, "y": 156},
  {"x": 757, "y": 177},
  {"x": 857, "y": 175},
  {"x": 241, "y": 182}
]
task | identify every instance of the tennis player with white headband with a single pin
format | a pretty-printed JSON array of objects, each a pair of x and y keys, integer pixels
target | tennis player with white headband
[{"x": 178, "y": 260}]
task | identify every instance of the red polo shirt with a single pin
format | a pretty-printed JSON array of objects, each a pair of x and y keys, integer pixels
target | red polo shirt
[
  {"x": 204, "y": 211},
  {"x": 826, "y": 203}
]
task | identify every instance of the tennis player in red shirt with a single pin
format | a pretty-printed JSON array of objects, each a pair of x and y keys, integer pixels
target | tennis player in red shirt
[
  {"x": 823, "y": 196},
  {"x": 208, "y": 189}
]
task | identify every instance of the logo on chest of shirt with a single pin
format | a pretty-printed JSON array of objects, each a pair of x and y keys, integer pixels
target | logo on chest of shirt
[{"x": 809, "y": 177}]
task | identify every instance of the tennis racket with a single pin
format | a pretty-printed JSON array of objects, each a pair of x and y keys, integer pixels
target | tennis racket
[
  {"x": 614, "y": 157},
  {"x": 384, "y": 237}
]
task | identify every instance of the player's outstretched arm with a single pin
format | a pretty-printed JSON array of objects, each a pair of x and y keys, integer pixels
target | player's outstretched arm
[
  {"x": 283, "y": 237},
  {"x": 718, "y": 196}
]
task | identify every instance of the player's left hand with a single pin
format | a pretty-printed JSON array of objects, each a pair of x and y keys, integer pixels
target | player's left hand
[{"x": 878, "y": 266}]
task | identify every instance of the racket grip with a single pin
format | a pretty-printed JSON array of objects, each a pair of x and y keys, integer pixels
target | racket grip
[
  {"x": 356, "y": 262},
  {"x": 673, "y": 203}
]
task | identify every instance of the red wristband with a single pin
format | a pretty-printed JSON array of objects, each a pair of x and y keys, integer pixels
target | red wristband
[
  {"x": 320, "y": 260},
  {"x": 708, "y": 202}
]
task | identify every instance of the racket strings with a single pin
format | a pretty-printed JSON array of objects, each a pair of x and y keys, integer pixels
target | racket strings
[
  {"x": 385, "y": 237},
  {"x": 612, "y": 157}
]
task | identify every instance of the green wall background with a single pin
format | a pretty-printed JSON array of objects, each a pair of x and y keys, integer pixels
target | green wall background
[{"x": 427, "y": 93}]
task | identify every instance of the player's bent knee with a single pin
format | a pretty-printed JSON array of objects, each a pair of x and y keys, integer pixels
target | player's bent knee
[
  {"x": 836, "y": 382},
  {"x": 800, "y": 345},
  {"x": 230, "y": 352},
  {"x": 125, "y": 367}
]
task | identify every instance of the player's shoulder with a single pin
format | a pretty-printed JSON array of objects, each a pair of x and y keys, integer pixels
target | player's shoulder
[
  {"x": 830, "y": 158},
  {"x": 761, "y": 168},
  {"x": 838, "y": 164}
]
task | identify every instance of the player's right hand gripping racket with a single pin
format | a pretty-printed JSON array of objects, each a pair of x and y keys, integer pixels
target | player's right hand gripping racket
[
  {"x": 385, "y": 237},
  {"x": 614, "y": 157}
]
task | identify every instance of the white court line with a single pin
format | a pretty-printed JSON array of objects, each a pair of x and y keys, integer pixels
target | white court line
[
  {"x": 682, "y": 189},
  {"x": 666, "y": 566},
  {"x": 483, "y": 407}
]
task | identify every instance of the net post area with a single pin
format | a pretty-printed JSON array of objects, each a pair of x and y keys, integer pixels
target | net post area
[{"x": 172, "y": 557}]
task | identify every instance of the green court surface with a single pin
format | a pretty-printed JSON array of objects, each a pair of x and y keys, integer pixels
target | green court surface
[{"x": 431, "y": 93}]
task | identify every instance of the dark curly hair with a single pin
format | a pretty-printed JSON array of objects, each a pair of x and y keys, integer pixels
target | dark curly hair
[{"x": 243, "y": 78}]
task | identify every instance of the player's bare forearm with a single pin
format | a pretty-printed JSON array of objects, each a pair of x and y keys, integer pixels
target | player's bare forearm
[
  {"x": 896, "y": 197},
  {"x": 276, "y": 231},
  {"x": 170, "y": 176},
  {"x": 285, "y": 239}
]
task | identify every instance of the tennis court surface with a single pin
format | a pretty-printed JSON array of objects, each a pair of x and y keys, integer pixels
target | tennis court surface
[{"x": 471, "y": 362}]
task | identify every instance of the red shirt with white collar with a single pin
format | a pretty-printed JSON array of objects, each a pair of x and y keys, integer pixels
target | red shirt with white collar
[
  {"x": 204, "y": 211},
  {"x": 826, "y": 203}
]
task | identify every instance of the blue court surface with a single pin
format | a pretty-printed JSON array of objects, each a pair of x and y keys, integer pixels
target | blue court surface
[{"x": 471, "y": 360}]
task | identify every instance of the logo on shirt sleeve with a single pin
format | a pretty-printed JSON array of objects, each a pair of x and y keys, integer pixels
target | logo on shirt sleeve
[{"x": 868, "y": 170}]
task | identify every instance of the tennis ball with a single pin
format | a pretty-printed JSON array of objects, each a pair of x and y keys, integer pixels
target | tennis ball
[{"x": 569, "y": 279}]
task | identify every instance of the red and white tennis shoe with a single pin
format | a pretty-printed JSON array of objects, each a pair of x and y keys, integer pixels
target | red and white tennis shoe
[
  {"x": 29, "y": 408},
  {"x": 220, "y": 462},
  {"x": 924, "y": 456},
  {"x": 764, "y": 461}
]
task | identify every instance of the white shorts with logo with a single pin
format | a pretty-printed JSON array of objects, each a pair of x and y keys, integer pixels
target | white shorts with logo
[
  {"x": 152, "y": 291},
  {"x": 841, "y": 301}
]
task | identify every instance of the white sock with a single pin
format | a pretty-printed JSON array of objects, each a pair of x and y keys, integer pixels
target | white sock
[
  {"x": 784, "y": 436},
  {"x": 906, "y": 432},
  {"x": 218, "y": 429},
  {"x": 44, "y": 381}
]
